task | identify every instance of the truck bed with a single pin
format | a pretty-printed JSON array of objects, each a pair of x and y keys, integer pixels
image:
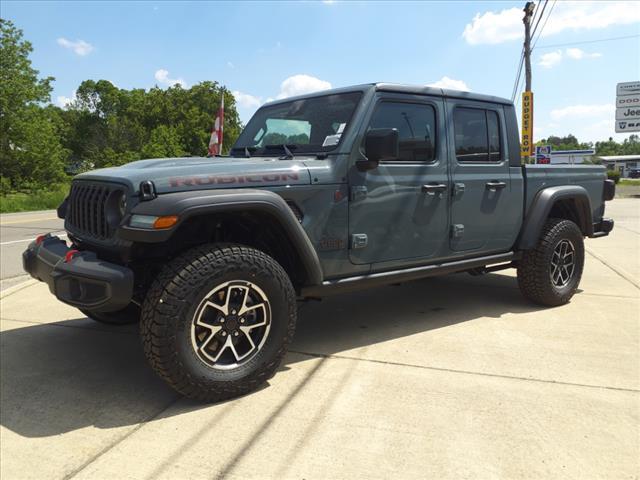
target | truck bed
[{"x": 590, "y": 177}]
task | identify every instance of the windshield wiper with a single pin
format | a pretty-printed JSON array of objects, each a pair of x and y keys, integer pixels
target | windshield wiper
[
  {"x": 247, "y": 151},
  {"x": 288, "y": 154}
]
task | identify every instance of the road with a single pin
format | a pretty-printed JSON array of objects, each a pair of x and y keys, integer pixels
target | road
[
  {"x": 16, "y": 231},
  {"x": 451, "y": 377}
]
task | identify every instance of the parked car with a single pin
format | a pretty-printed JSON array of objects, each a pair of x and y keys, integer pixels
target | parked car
[{"x": 324, "y": 193}]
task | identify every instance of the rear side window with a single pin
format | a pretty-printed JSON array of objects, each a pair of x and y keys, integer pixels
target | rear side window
[
  {"x": 416, "y": 125},
  {"x": 477, "y": 135}
]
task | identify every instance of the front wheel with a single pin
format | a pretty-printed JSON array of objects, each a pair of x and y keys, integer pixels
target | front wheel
[
  {"x": 550, "y": 273},
  {"x": 216, "y": 322}
]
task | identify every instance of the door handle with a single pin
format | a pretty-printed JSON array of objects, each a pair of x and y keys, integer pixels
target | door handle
[
  {"x": 496, "y": 185},
  {"x": 433, "y": 188}
]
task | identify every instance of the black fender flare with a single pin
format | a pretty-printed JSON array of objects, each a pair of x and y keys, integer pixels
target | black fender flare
[
  {"x": 189, "y": 204},
  {"x": 541, "y": 207}
]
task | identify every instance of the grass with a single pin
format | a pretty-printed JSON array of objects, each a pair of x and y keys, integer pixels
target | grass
[
  {"x": 629, "y": 181},
  {"x": 37, "y": 200}
]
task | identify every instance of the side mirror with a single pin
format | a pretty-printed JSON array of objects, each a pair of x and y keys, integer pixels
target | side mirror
[{"x": 380, "y": 144}]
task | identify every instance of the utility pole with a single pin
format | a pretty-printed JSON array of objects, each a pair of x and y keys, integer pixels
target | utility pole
[
  {"x": 528, "y": 13},
  {"x": 527, "y": 146}
]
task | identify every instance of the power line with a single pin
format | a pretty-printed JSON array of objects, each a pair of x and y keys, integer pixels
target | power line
[
  {"x": 544, "y": 24},
  {"x": 535, "y": 28},
  {"x": 517, "y": 81},
  {"x": 610, "y": 39}
]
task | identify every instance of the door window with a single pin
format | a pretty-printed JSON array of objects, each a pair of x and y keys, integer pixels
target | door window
[
  {"x": 416, "y": 125},
  {"x": 477, "y": 135}
]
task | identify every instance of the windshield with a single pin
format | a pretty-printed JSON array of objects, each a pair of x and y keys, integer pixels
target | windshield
[{"x": 311, "y": 125}]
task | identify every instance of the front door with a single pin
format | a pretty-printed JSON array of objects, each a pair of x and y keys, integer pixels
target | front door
[
  {"x": 398, "y": 211},
  {"x": 485, "y": 210}
]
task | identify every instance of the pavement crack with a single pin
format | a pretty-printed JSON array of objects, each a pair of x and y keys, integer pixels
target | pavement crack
[
  {"x": 621, "y": 274},
  {"x": 121, "y": 439},
  {"x": 465, "y": 372}
]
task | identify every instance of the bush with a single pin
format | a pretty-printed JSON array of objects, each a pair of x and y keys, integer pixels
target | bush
[
  {"x": 613, "y": 175},
  {"x": 36, "y": 200}
]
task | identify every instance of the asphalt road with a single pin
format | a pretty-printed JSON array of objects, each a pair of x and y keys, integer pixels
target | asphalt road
[
  {"x": 449, "y": 377},
  {"x": 16, "y": 231}
]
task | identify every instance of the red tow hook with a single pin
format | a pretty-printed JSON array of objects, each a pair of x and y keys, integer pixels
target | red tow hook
[{"x": 69, "y": 255}]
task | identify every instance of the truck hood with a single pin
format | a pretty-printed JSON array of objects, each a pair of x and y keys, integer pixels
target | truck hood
[{"x": 198, "y": 173}]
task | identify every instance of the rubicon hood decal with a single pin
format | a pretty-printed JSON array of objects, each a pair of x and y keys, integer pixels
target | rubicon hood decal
[
  {"x": 176, "y": 175},
  {"x": 234, "y": 180}
]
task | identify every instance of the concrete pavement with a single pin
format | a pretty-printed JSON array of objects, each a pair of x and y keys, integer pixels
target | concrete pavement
[
  {"x": 16, "y": 231},
  {"x": 451, "y": 377}
]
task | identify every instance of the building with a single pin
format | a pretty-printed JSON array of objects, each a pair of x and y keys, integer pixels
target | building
[
  {"x": 571, "y": 157},
  {"x": 625, "y": 164}
]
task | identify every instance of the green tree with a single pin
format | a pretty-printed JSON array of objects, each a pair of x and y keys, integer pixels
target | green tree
[
  {"x": 110, "y": 126},
  {"x": 30, "y": 151},
  {"x": 164, "y": 141}
]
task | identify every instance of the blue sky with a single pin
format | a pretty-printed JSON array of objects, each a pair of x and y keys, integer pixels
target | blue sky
[{"x": 264, "y": 50}]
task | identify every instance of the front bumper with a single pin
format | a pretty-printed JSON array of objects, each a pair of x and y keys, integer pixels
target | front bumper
[{"x": 83, "y": 281}]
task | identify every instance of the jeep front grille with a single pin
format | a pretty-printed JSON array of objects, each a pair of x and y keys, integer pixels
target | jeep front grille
[{"x": 87, "y": 214}]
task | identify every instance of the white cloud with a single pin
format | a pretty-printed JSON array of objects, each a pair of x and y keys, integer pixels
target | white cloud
[
  {"x": 301, "y": 84},
  {"x": 64, "y": 102},
  {"x": 162, "y": 76},
  {"x": 506, "y": 25},
  {"x": 245, "y": 100},
  {"x": 550, "y": 59},
  {"x": 79, "y": 47},
  {"x": 491, "y": 27},
  {"x": 578, "y": 54},
  {"x": 584, "y": 111},
  {"x": 450, "y": 83}
]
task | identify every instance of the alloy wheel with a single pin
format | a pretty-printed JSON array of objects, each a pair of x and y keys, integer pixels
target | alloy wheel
[
  {"x": 231, "y": 324},
  {"x": 562, "y": 263}
]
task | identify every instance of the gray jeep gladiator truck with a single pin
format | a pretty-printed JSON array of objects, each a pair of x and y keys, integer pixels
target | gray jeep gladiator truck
[{"x": 349, "y": 188}]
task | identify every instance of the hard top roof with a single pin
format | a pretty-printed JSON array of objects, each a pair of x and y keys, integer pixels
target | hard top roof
[{"x": 400, "y": 88}]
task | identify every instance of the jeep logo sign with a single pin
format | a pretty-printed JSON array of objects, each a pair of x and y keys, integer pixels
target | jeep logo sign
[{"x": 628, "y": 107}]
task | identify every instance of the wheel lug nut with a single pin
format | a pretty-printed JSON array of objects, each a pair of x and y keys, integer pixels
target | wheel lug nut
[
  {"x": 224, "y": 334},
  {"x": 222, "y": 320},
  {"x": 235, "y": 334},
  {"x": 233, "y": 312},
  {"x": 242, "y": 320}
]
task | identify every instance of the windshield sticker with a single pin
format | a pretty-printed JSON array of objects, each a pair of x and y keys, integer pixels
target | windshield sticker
[
  {"x": 331, "y": 140},
  {"x": 341, "y": 128}
]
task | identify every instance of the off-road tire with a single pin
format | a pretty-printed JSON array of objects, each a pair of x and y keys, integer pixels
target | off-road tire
[
  {"x": 128, "y": 315},
  {"x": 534, "y": 270},
  {"x": 170, "y": 305}
]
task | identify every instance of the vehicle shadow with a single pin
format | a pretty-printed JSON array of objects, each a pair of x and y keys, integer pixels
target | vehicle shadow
[{"x": 64, "y": 376}]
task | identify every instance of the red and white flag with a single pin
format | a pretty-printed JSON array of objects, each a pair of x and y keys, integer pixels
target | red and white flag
[{"x": 215, "y": 143}]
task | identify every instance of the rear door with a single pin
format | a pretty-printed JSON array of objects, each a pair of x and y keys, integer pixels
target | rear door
[
  {"x": 485, "y": 208},
  {"x": 399, "y": 210}
]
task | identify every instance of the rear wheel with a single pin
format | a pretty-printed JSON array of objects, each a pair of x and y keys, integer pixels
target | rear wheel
[
  {"x": 128, "y": 315},
  {"x": 217, "y": 320},
  {"x": 550, "y": 273}
]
